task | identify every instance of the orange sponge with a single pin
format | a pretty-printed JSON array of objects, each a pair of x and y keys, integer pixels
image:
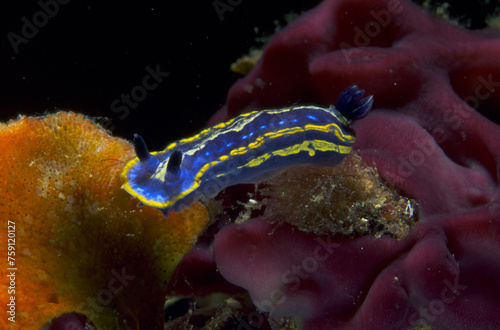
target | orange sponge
[{"x": 81, "y": 244}]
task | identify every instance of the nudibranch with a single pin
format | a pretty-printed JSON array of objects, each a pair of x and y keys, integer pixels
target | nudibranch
[{"x": 247, "y": 149}]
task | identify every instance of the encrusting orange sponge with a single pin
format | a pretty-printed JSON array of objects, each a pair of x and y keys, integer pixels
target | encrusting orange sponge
[{"x": 81, "y": 243}]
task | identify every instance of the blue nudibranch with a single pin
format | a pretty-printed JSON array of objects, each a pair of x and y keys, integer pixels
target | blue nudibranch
[{"x": 247, "y": 149}]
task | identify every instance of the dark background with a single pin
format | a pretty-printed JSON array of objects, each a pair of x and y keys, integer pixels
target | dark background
[{"x": 91, "y": 52}]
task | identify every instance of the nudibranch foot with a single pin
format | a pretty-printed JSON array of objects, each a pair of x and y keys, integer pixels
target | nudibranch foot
[{"x": 165, "y": 212}]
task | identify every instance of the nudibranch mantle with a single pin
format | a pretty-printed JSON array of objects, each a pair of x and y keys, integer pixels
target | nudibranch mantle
[{"x": 246, "y": 149}]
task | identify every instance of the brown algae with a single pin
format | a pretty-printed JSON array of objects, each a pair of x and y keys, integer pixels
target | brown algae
[{"x": 350, "y": 199}]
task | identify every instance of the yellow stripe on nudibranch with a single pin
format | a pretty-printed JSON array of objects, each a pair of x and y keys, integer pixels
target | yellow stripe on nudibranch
[
  {"x": 310, "y": 146},
  {"x": 208, "y": 132},
  {"x": 240, "y": 149}
]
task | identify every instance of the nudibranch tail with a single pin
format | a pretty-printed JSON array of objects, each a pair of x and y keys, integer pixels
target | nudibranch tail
[{"x": 352, "y": 104}]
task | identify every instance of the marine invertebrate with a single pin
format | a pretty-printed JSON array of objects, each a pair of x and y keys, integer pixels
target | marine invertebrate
[
  {"x": 433, "y": 134},
  {"x": 81, "y": 243},
  {"x": 246, "y": 149}
]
